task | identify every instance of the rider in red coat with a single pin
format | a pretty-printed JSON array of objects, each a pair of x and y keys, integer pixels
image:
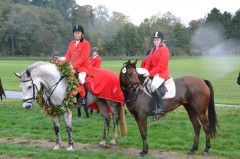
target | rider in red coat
[
  {"x": 78, "y": 53},
  {"x": 95, "y": 60},
  {"x": 157, "y": 66}
]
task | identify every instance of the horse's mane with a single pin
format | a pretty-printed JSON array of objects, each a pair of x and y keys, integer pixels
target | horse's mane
[{"x": 31, "y": 67}]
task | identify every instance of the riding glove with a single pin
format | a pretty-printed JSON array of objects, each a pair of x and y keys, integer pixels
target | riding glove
[{"x": 146, "y": 74}]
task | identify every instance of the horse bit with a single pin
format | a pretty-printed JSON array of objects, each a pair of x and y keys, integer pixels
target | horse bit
[{"x": 35, "y": 86}]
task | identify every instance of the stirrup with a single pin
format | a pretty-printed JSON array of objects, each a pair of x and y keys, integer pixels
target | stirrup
[{"x": 158, "y": 111}]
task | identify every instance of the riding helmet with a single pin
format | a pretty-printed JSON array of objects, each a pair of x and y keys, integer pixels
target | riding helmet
[
  {"x": 78, "y": 28},
  {"x": 158, "y": 34},
  {"x": 94, "y": 49}
]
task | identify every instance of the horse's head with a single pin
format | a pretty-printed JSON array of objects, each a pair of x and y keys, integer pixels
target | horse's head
[
  {"x": 29, "y": 89},
  {"x": 129, "y": 75}
]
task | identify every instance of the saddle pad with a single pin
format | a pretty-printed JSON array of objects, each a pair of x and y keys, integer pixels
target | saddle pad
[
  {"x": 169, "y": 84},
  {"x": 105, "y": 84},
  {"x": 171, "y": 89}
]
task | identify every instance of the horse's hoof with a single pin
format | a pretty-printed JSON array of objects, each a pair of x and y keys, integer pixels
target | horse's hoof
[
  {"x": 205, "y": 153},
  {"x": 70, "y": 148},
  {"x": 101, "y": 146},
  {"x": 56, "y": 147},
  {"x": 142, "y": 153},
  {"x": 113, "y": 144},
  {"x": 190, "y": 153}
]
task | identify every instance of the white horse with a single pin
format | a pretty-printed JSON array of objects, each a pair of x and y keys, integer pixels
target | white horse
[{"x": 47, "y": 75}]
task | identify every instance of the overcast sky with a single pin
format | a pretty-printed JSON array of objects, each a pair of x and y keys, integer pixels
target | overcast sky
[{"x": 186, "y": 10}]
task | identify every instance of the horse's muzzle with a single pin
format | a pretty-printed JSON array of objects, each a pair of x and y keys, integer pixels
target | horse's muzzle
[{"x": 28, "y": 105}]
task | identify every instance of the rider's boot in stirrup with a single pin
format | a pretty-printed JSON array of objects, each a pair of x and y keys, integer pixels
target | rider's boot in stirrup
[
  {"x": 83, "y": 100},
  {"x": 158, "y": 103}
]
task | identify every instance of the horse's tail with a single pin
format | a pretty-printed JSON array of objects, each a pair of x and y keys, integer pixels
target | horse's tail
[
  {"x": 212, "y": 117},
  {"x": 2, "y": 93},
  {"x": 121, "y": 114}
]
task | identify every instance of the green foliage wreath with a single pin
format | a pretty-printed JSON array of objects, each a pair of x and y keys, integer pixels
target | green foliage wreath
[{"x": 72, "y": 89}]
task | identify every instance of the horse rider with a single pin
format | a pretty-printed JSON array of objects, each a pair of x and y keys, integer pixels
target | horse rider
[
  {"x": 95, "y": 60},
  {"x": 157, "y": 66},
  {"x": 78, "y": 53}
]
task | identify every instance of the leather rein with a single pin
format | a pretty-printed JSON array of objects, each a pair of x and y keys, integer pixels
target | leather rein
[{"x": 34, "y": 91}]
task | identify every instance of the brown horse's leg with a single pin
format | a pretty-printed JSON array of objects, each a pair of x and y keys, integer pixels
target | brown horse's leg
[
  {"x": 197, "y": 127},
  {"x": 205, "y": 124},
  {"x": 86, "y": 111},
  {"x": 142, "y": 125}
]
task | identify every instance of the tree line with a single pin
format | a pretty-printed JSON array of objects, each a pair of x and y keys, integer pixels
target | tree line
[{"x": 44, "y": 28}]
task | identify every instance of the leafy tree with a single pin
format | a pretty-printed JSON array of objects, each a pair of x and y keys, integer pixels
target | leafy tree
[{"x": 234, "y": 31}]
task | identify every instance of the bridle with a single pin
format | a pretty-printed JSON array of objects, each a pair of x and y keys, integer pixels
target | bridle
[
  {"x": 130, "y": 90},
  {"x": 33, "y": 88},
  {"x": 132, "y": 85},
  {"x": 29, "y": 100}
]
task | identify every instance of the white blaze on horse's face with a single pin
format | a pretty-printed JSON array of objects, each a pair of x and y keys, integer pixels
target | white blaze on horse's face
[{"x": 27, "y": 87}]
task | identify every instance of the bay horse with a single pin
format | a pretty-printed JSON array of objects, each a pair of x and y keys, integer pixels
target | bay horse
[
  {"x": 45, "y": 74},
  {"x": 196, "y": 95},
  {"x": 2, "y": 92}
]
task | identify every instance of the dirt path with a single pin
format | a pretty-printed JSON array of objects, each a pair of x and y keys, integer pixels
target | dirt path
[{"x": 89, "y": 147}]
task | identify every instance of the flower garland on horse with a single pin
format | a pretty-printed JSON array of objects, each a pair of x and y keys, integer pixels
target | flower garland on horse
[{"x": 72, "y": 89}]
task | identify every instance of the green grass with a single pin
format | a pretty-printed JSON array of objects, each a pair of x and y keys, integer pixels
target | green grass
[
  {"x": 172, "y": 133},
  {"x": 221, "y": 71}
]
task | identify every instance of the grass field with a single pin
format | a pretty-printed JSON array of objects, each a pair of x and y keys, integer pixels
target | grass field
[{"x": 174, "y": 133}]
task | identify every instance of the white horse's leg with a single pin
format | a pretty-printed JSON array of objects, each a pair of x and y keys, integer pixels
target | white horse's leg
[
  {"x": 106, "y": 120},
  {"x": 68, "y": 122},
  {"x": 114, "y": 111},
  {"x": 56, "y": 124}
]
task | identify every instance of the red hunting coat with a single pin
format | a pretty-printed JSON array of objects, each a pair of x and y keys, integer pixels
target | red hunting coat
[
  {"x": 96, "y": 62},
  {"x": 78, "y": 55},
  {"x": 144, "y": 62},
  {"x": 157, "y": 62}
]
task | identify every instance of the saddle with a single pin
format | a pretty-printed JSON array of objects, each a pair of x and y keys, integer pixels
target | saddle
[{"x": 168, "y": 88}]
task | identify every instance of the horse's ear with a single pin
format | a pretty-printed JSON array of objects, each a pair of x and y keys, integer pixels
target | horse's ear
[
  {"x": 129, "y": 62},
  {"x": 135, "y": 62},
  {"x": 28, "y": 73},
  {"x": 17, "y": 74}
]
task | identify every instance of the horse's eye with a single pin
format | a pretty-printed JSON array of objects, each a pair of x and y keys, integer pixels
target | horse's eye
[
  {"x": 29, "y": 87},
  {"x": 129, "y": 75}
]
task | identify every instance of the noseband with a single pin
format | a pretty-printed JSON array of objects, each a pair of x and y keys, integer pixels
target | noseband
[
  {"x": 129, "y": 82},
  {"x": 33, "y": 86}
]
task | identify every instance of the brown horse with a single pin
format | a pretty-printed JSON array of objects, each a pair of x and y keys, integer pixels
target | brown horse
[
  {"x": 2, "y": 92},
  {"x": 196, "y": 95}
]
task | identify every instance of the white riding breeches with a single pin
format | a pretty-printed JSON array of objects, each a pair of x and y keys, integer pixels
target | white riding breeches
[
  {"x": 81, "y": 77},
  {"x": 156, "y": 82}
]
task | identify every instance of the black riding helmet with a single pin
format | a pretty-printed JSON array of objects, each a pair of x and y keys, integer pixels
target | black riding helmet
[
  {"x": 78, "y": 28},
  {"x": 94, "y": 49},
  {"x": 158, "y": 34}
]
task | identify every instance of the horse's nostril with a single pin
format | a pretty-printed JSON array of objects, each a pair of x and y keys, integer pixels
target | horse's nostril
[{"x": 28, "y": 107}]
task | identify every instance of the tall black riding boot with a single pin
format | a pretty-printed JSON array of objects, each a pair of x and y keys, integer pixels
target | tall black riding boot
[
  {"x": 83, "y": 100},
  {"x": 158, "y": 103}
]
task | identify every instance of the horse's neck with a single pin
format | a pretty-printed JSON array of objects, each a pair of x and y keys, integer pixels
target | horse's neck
[{"x": 50, "y": 78}]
